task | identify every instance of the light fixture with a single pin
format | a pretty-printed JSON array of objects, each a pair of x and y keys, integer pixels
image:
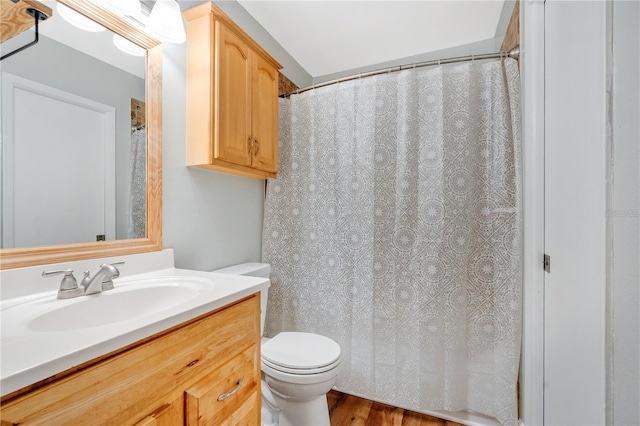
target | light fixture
[
  {"x": 127, "y": 46},
  {"x": 165, "y": 22},
  {"x": 78, "y": 20},
  {"x": 124, "y": 7}
]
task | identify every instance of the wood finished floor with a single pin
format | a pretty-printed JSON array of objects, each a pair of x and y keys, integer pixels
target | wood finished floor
[{"x": 346, "y": 409}]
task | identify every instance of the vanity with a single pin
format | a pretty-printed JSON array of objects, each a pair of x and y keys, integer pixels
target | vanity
[{"x": 193, "y": 359}]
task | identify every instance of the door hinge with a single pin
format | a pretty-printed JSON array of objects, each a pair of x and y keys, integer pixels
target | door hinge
[
  {"x": 101, "y": 237},
  {"x": 547, "y": 263}
]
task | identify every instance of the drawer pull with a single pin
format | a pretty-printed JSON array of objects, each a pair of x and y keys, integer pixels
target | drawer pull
[{"x": 228, "y": 394}]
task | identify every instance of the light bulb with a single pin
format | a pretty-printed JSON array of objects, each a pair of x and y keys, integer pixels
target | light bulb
[{"x": 165, "y": 22}]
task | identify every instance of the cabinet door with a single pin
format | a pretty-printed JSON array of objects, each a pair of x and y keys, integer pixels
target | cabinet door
[
  {"x": 229, "y": 395},
  {"x": 233, "y": 94},
  {"x": 264, "y": 116}
]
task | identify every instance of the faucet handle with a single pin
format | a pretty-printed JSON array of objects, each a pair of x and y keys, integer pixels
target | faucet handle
[
  {"x": 68, "y": 281},
  {"x": 85, "y": 280},
  {"x": 46, "y": 274},
  {"x": 68, "y": 286}
]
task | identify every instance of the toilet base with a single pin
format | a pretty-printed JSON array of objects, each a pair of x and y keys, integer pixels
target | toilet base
[
  {"x": 299, "y": 404},
  {"x": 303, "y": 413}
]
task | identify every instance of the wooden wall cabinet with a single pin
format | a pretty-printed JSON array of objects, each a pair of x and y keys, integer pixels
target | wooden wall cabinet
[
  {"x": 232, "y": 97},
  {"x": 174, "y": 378}
]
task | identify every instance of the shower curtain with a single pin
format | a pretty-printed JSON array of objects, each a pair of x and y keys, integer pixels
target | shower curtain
[
  {"x": 394, "y": 228},
  {"x": 137, "y": 211}
]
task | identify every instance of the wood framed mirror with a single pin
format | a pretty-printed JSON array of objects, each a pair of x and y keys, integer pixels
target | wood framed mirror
[{"x": 152, "y": 240}]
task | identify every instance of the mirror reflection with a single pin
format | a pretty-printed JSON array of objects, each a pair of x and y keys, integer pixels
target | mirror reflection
[{"x": 73, "y": 135}]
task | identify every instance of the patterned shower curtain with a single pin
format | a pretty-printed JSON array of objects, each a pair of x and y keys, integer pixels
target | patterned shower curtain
[
  {"x": 137, "y": 211},
  {"x": 394, "y": 228}
]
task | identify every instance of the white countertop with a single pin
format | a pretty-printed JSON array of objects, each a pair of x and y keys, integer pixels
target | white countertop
[{"x": 29, "y": 356}]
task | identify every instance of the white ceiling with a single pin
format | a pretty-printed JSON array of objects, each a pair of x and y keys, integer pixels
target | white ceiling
[{"x": 327, "y": 37}]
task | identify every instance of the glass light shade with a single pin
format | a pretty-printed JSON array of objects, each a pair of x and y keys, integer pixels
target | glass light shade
[
  {"x": 165, "y": 22},
  {"x": 124, "y": 7},
  {"x": 127, "y": 46},
  {"x": 78, "y": 20}
]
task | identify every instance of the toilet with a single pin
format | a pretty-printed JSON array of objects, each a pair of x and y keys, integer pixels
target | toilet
[{"x": 298, "y": 369}]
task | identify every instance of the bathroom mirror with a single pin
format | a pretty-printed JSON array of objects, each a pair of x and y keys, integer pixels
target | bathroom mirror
[{"x": 124, "y": 191}]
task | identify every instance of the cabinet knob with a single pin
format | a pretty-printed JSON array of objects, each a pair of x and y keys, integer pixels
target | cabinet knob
[
  {"x": 250, "y": 143},
  {"x": 228, "y": 394},
  {"x": 257, "y": 147}
]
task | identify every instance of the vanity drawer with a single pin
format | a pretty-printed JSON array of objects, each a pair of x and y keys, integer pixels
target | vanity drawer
[
  {"x": 126, "y": 387},
  {"x": 221, "y": 398}
]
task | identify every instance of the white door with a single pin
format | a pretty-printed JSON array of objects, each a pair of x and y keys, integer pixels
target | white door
[
  {"x": 575, "y": 202},
  {"x": 56, "y": 180}
]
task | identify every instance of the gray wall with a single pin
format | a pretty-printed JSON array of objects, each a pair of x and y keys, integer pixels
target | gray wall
[
  {"x": 59, "y": 66},
  {"x": 623, "y": 223},
  {"x": 210, "y": 219}
]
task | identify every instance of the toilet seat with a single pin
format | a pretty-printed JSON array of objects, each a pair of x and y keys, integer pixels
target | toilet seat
[
  {"x": 299, "y": 357},
  {"x": 300, "y": 351}
]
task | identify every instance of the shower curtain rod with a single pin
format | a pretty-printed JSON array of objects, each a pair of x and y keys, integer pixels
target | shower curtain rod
[{"x": 513, "y": 53}]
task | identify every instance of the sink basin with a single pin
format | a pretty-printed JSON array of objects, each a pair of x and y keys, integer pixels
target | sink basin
[
  {"x": 127, "y": 301},
  {"x": 114, "y": 306}
]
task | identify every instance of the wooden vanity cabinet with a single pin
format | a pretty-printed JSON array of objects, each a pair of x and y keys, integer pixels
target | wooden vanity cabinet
[
  {"x": 232, "y": 97},
  {"x": 170, "y": 379}
]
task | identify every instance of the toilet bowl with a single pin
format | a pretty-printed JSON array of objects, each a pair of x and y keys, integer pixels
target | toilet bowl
[{"x": 298, "y": 369}]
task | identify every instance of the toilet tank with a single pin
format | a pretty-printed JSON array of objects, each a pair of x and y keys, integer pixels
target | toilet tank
[{"x": 252, "y": 269}]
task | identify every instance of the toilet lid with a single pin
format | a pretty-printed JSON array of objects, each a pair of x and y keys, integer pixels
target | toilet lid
[{"x": 300, "y": 351}]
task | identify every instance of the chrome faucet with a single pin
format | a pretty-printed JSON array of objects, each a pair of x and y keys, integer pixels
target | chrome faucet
[{"x": 102, "y": 280}]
